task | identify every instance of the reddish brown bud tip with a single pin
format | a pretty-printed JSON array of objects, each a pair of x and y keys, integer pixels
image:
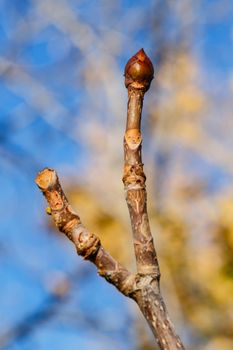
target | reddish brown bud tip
[{"x": 139, "y": 71}]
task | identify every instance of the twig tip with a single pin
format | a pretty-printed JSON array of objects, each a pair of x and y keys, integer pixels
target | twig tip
[{"x": 45, "y": 178}]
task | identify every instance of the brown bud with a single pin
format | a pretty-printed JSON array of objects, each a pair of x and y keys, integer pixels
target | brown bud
[{"x": 139, "y": 71}]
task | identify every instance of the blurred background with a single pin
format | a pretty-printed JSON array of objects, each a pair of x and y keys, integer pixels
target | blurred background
[{"x": 63, "y": 105}]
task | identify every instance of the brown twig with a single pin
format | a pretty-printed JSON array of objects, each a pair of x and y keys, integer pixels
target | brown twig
[
  {"x": 87, "y": 244},
  {"x": 138, "y": 75},
  {"x": 139, "y": 72},
  {"x": 144, "y": 286}
]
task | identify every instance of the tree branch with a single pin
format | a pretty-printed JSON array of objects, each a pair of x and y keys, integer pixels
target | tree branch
[
  {"x": 144, "y": 286},
  {"x": 138, "y": 75},
  {"x": 139, "y": 72},
  {"x": 87, "y": 244}
]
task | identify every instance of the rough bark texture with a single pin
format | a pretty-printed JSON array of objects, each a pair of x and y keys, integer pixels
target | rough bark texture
[
  {"x": 143, "y": 286},
  {"x": 87, "y": 244},
  {"x": 135, "y": 189},
  {"x": 139, "y": 73}
]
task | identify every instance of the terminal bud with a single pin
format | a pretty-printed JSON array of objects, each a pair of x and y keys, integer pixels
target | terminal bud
[{"x": 139, "y": 71}]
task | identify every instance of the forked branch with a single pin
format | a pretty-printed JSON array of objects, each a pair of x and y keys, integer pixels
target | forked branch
[{"x": 143, "y": 286}]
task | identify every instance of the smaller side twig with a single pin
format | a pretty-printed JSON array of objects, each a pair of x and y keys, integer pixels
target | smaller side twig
[{"x": 87, "y": 244}]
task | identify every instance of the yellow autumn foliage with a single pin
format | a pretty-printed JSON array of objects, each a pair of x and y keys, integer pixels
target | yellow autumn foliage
[{"x": 112, "y": 232}]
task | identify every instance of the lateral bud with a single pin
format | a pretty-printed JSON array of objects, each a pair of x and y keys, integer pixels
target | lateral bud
[{"x": 139, "y": 71}]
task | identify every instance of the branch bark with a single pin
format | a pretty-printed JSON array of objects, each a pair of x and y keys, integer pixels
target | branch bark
[
  {"x": 143, "y": 286},
  {"x": 87, "y": 244},
  {"x": 139, "y": 73}
]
